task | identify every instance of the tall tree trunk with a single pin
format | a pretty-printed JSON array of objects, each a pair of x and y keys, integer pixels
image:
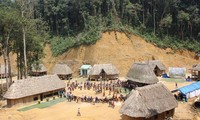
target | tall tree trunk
[
  {"x": 191, "y": 30},
  {"x": 9, "y": 70},
  {"x": 5, "y": 64},
  {"x": 143, "y": 13},
  {"x": 24, "y": 42},
  {"x": 21, "y": 66},
  {"x": 154, "y": 21},
  {"x": 18, "y": 66},
  {"x": 25, "y": 60},
  {"x": 8, "y": 60}
]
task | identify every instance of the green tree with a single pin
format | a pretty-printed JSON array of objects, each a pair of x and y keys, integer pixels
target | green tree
[{"x": 8, "y": 23}]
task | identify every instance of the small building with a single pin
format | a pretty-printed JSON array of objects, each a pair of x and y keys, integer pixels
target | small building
[
  {"x": 35, "y": 88},
  {"x": 152, "y": 102},
  {"x": 177, "y": 72},
  {"x": 157, "y": 66},
  {"x": 104, "y": 71},
  {"x": 195, "y": 72},
  {"x": 63, "y": 71},
  {"x": 38, "y": 70},
  {"x": 140, "y": 74},
  {"x": 190, "y": 91},
  {"x": 85, "y": 69}
]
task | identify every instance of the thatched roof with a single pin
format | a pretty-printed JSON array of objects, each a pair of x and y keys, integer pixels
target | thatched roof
[
  {"x": 109, "y": 69},
  {"x": 33, "y": 86},
  {"x": 38, "y": 68},
  {"x": 62, "y": 69},
  {"x": 196, "y": 68},
  {"x": 141, "y": 73},
  {"x": 154, "y": 63},
  {"x": 148, "y": 101}
]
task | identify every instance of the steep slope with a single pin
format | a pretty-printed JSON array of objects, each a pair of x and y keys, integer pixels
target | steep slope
[{"x": 117, "y": 48}]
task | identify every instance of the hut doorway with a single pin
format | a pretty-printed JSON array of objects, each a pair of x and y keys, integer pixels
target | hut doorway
[
  {"x": 157, "y": 71},
  {"x": 41, "y": 97},
  {"x": 103, "y": 74},
  {"x": 84, "y": 72}
]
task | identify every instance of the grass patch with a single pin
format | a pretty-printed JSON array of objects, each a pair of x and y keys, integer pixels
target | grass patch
[
  {"x": 127, "y": 91},
  {"x": 178, "y": 80},
  {"x": 43, "y": 104}
]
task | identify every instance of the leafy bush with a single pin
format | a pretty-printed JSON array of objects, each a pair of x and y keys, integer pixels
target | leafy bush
[{"x": 59, "y": 45}]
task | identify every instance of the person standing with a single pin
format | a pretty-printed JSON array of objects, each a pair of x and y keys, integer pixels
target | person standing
[
  {"x": 176, "y": 85},
  {"x": 78, "y": 114}
]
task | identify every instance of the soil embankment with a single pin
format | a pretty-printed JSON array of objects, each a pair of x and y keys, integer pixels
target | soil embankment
[{"x": 117, "y": 48}]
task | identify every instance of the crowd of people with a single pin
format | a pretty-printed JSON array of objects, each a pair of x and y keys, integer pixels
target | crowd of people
[{"x": 97, "y": 87}]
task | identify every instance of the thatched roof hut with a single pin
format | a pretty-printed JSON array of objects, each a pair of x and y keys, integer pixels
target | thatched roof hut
[
  {"x": 157, "y": 66},
  {"x": 141, "y": 73},
  {"x": 63, "y": 71},
  {"x": 38, "y": 70},
  {"x": 196, "y": 67},
  {"x": 148, "y": 101},
  {"x": 195, "y": 72},
  {"x": 33, "y": 86},
  {"x": 154, "y": 63},
  {"x": 110, "y": 71}
]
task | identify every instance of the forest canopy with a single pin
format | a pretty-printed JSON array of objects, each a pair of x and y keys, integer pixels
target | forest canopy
[{"x": 167, "y": 23}]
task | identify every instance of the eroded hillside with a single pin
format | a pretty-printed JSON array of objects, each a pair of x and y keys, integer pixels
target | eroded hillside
[{"x": 117, "y": 48}]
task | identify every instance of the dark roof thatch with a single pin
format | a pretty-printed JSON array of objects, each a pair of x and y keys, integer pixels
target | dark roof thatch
[
  {"x": 196, "y": 68},
  {"x": 38, "y": 68},
  {"x": 154, "y": 63},
  {"x": 62, "y": 69},
  {"x": 148, "y": 101},
  {"x": 141, "y": 73},
  {"x": 33, "y": 86},
  {"x": 109, "y": 69}
]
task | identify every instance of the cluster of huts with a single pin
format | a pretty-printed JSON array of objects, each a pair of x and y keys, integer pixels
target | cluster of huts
[
  {"x": 149, "y": 100},
  {"x": 62, "y": 70}
]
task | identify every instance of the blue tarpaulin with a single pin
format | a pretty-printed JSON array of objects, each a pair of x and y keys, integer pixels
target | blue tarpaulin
[
  {"x": 190, "y": 88},
  {"x": 165, "y": 75}
]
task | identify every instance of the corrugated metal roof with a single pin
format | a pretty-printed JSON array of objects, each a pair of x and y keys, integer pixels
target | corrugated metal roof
[
  {"x": 86, "y": 67},
  {"x": 190, "y": 88}
]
